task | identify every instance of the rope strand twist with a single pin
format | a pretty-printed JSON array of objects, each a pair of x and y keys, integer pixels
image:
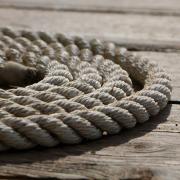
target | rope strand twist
[{"x": 87, "y": 90}]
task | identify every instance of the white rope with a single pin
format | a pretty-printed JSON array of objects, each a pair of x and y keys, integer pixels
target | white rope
[{"x": 86, "y": 92}]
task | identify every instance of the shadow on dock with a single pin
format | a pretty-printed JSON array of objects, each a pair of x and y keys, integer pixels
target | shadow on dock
[{"x": 41, "y": 154}]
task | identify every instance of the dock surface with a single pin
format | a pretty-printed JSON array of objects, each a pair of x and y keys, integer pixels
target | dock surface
[{"x": 151, "y": 150}]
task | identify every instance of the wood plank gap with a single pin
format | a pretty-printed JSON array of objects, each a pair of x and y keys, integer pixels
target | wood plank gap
[
  {"x": 174, "y": 102},
  {"x": 140, "y": 45}
]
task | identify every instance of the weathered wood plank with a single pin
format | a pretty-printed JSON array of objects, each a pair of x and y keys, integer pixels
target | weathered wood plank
[
  {"x": 142, "y": 152},
  {"x": 135, "y": 31},
  {"x": 164, "y": 7},
  {"x": 17, "y": 173},
  {"x": 117, "y": 172},
  {"x": 148, "y": 151}
]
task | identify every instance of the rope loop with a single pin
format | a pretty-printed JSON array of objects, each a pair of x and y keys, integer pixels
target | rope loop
[{"x": 86, "y": 90}]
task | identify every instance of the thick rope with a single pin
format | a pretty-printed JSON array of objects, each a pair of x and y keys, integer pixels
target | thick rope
[{"x": 86, "y": 92}]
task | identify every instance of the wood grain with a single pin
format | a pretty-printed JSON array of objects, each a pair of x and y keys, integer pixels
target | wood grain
[
  {"x": 163, "y": 7},
  {"x": 143, "y": 32},
  {"x": 148, "y": 151}
]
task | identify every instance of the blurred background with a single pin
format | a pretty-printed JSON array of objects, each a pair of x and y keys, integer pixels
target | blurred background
[{"x": 136, "y": 23}]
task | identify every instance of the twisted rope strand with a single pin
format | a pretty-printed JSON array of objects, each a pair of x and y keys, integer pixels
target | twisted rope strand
[{"x": 86, "y": 92}]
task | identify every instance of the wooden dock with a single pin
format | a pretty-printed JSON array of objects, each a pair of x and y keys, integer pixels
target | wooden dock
[{"x": 151, "y": 28}]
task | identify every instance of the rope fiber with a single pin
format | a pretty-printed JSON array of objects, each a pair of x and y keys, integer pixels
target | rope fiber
[{"x": 85, "y": 92}]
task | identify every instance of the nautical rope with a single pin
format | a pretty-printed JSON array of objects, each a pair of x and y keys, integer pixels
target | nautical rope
[{"x": 87, "y": 90}]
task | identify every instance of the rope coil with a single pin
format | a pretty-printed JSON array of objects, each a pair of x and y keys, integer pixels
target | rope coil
[{"x": 86, "y": 92}]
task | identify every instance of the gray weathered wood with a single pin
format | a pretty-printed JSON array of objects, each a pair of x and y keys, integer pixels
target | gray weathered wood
[
  {"x": 163, "y": 7},
  {"x": 145, "y": 32},
  {"x": 148, "y": 151}
]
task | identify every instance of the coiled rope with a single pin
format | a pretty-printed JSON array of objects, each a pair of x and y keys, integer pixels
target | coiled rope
[{"x": 87, "y": 91}]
